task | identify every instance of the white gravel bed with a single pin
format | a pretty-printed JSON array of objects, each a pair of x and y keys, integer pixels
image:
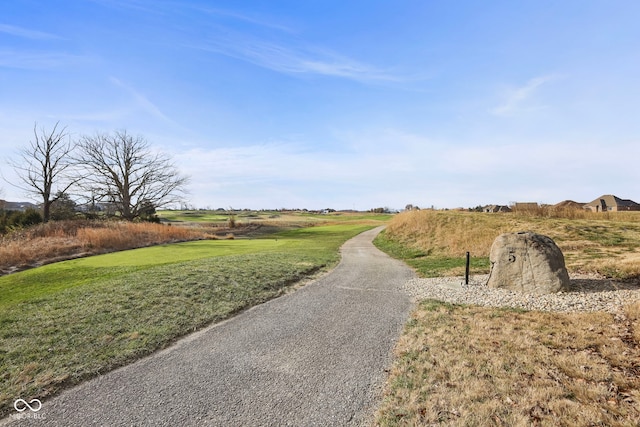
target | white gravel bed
[{"x": 588, "y": 293}]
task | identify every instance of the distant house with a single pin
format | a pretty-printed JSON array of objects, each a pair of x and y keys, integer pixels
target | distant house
[
  {"x": 611, "y": 203},
  {"x": 496, "y": 208}
]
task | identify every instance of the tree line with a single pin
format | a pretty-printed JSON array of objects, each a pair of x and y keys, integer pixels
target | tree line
[{"x": 114, "y": 169}]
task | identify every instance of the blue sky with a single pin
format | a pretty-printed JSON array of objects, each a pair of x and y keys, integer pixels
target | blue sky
[{"x": 341, "y": 104}]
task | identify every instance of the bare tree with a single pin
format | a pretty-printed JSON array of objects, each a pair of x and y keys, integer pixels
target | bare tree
[
  {"x": 45, "y": 163},
  {"x": 123, "y": 170}
]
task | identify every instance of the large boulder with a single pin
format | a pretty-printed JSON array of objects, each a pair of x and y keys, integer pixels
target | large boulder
[{"x": 527, "y": 262}]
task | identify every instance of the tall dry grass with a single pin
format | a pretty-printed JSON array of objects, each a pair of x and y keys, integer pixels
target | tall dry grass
[
  {"x": 567, "y": 212},
  {"x": 59, "y": 240},
  {"x": 118, "y": 236},
  {"x": 606, "y": 243},
  {"x": 444, "y": 232}
]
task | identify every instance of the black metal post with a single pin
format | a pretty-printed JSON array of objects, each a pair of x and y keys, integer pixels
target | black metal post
[{"x": 466, "y": 272}]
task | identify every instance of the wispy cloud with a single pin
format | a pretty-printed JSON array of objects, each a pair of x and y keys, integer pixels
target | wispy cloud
[
  {"x": 516, "y": 99},
  {"x": 38, "y": 60},
  {"x": 27, "y": 33},
  {"x": 137, "y": 5},
  {"x": 141, "y": 100},
  {"x": 292, "y": 59},
  {"x": 261, "y": 41},
  {"x": 250, "y": 19}
]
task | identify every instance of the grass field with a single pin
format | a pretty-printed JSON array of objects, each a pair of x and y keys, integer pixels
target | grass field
[
  {"x": 464, "y": 365},
  {"x": 65, "y": 322},
  {"x": 274, "y": 218},
  {"x": 194, "y": 216}
]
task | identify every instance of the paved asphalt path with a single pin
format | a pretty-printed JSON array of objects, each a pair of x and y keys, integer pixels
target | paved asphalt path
[{"x": 315, "y": 357}]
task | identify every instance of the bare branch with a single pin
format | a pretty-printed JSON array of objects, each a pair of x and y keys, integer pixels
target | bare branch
[
  {"x": 45, "y": 162},
  {"x": 122, "y": 170}
]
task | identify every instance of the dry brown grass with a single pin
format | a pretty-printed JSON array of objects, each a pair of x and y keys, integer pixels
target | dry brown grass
[
  {"x": 119, "y": 235},
  {"x": 59, "y": 240},
  {"x": 605, "y": 243},
  {"x": 477, "y": 366},
  {"x": 446, "y": 233}
]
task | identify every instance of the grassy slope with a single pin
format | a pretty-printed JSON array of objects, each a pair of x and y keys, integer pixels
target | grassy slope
[
  {"x": 430, "y": 265},
  {"x": 476, "y": 366},
  {"x": 65, "y": 322},
  {"x": 435, "y": 242}
]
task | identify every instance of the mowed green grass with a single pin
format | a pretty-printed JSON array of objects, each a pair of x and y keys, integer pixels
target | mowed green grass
[
  {"x": 53, "y": 278},
  {"x": 66, "y": 322}
]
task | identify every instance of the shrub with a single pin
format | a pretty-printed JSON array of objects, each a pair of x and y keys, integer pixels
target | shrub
[
  {"x": 63, "y": 208},
  {"x": 10, "y": 220}
]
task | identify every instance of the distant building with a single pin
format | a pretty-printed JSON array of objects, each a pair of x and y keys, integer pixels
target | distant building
[
  {"x": 496, "y": 208},
  {"x": 611, "y": 203}
]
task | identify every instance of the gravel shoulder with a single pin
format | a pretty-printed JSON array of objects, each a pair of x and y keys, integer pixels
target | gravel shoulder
[
  {"x": 315, "y": 357},
  {"x": 588, "y": 293}
]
